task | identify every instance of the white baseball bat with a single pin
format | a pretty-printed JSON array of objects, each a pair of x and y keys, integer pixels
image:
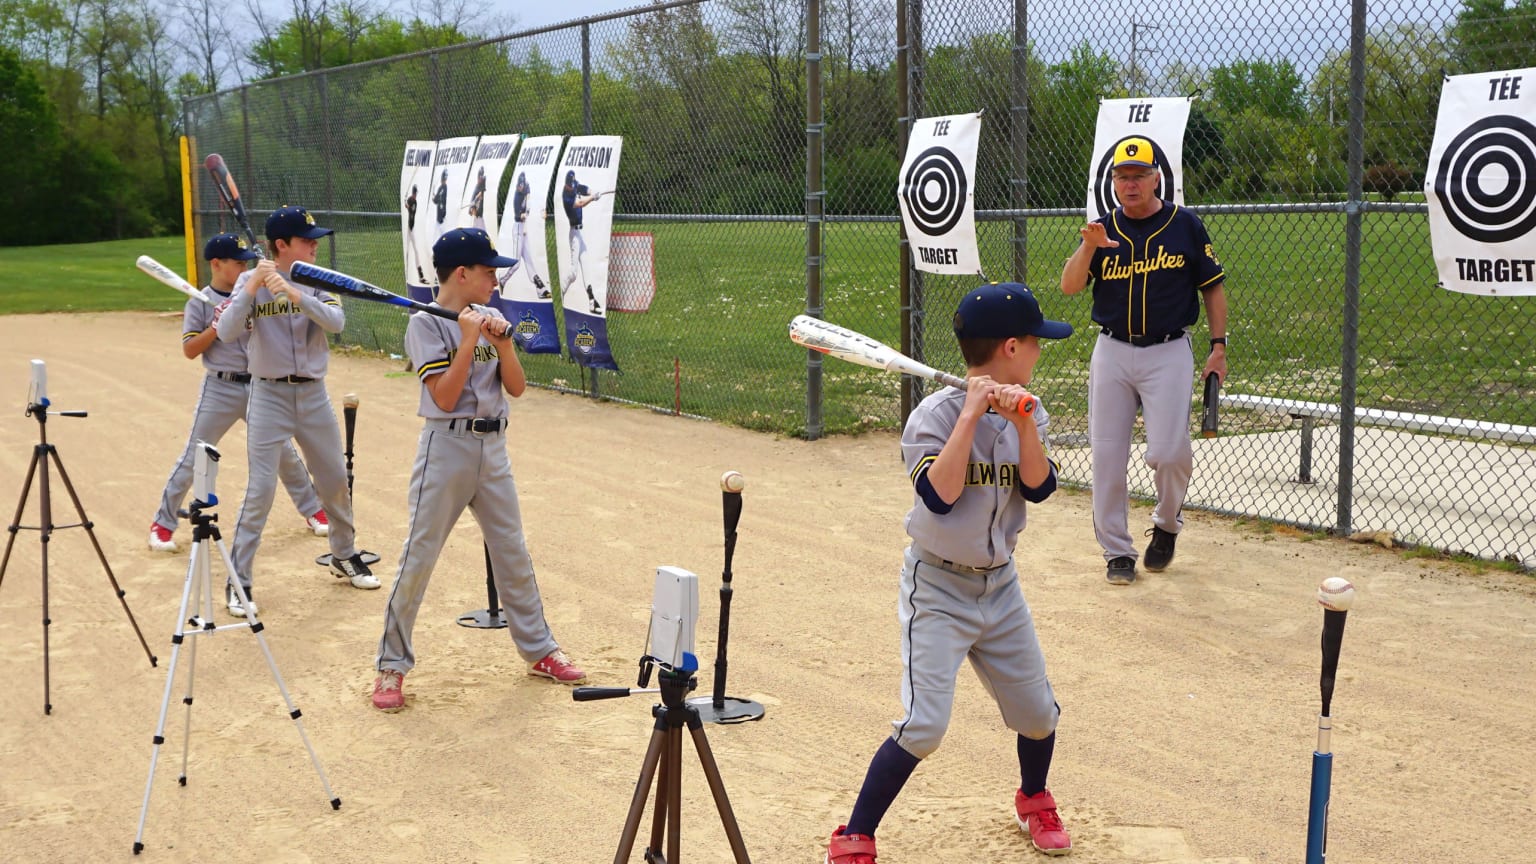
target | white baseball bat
[
  {"x": 161, "y": 273},
  {"x": 855, "y": 347}
]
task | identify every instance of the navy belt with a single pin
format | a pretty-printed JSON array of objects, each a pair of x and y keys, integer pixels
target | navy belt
[
  {"x": 237, "y": 377},
  {"x": 290, "y": 379},
  {"x": 943, "y": 564},
  {"x": 1142, "y": 341},
  {"x": 481, "y": 425}
]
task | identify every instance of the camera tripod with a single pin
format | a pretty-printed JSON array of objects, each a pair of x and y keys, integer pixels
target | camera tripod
[
  {"x": 197, "y": 594},
  {"x": 664, "y": 758},
  {"x": 39, "y": 468}
]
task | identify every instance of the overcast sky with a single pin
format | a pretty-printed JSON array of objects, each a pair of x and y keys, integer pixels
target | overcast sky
[{"x": 540, "y": 13}]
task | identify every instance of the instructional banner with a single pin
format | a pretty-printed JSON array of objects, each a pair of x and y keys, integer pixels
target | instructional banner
[
  {"x": 1481, "y": 184},
  {"x": 491, "y": 157},
  {"x": 416, "y": 238},
  {"x": 937, "y": 194},
  {"x": 526, "y": 299},
  {"x": 586, "y": 181},
  {"x": 1160, "y": 121}
]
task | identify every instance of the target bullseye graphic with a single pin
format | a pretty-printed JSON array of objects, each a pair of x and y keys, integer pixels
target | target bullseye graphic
[
  {"x": 1487, "y": 179},
  {"x": 935, "y": 189},
  {"x": 1103, "y": 177}
]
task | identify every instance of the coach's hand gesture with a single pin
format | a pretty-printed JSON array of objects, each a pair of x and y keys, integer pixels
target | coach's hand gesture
[{"x": 1094, "y": 236}]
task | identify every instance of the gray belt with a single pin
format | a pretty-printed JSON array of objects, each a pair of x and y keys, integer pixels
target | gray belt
[{"x": 932, "y": 560}]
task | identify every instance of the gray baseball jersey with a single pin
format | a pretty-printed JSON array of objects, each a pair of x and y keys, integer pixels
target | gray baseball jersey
[
  {"x": 287, "y": 342},
  {"x": 221, "y": 401},
  {"x": 960, "y": 597},
  {"x": 457, "y": 467}
]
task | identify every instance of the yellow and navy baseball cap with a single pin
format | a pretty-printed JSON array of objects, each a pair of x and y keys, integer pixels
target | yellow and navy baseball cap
[
  {"x": 288, "y": 222},
  {"x": 230, "y": 246},
  {"x": 1134, "y": 151},
  {"x": 1001, "y": 310},
  {"x": 466, "y": 247}
]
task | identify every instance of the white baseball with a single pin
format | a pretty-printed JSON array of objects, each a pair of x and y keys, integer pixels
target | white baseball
[
  {"x": 1336, "y": 593},
  {"x": 732, "y": 481}
]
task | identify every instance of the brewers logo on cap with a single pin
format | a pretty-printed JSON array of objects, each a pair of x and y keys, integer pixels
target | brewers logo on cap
[{"x": 1134, "y": 151}]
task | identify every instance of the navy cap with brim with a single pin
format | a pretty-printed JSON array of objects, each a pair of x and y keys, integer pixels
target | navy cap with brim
[
  {"x": 230, "y": 247},
  {"x": 466, "y": 247},
  {"x": 286, "y": 223},
  {"x": 1003, "y": 310}
]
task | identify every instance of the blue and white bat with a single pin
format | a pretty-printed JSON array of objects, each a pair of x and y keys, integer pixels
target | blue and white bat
[{"x": 326, "y": 279}]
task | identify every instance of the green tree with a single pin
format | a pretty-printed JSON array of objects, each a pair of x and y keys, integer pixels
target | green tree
[
  {"x": 1272, "y": 88},
  {"x": 1492, "y": 34}
]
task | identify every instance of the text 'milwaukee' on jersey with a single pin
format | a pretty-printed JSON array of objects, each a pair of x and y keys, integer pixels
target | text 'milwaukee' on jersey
[
  {"x": 1150, "y": 284},
  {"x": 984, "y": 523},
  {"x": 431, "y": 343}
]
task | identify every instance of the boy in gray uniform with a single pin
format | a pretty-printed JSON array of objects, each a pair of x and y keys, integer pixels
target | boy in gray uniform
[
  {"x": 224, "y": 395},
  {"x": 289, "y": 354},
  {"x": 466, "y": 369},
  {"x": 974, "y": 461}
]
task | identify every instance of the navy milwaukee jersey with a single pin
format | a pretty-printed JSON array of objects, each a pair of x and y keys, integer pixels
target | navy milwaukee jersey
[{"x": 1150, "y": 284}]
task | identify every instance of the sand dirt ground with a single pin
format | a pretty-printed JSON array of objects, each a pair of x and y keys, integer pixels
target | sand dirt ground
[{"x": 1189, "y": 700}]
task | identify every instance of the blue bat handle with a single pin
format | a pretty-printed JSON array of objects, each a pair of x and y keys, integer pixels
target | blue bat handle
[{"x": 1317, "y": 810}]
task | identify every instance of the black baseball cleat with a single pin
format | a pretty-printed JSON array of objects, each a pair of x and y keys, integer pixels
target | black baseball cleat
[
  {"x": 1121, "y": 571},
  {"x": 420, "y": 275},
  {"x": 539, "y": 284},
  {"x": 1160, "y": 550},
  {"x": 355, "y": 571}
]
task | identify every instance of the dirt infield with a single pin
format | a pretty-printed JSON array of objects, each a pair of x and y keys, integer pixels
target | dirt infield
[{"x": 1189, "y": 700}]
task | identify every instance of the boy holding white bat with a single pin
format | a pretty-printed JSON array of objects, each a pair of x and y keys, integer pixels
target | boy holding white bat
[
  {"x": 467, "y": 369},
  {"x": 224, "y": 395},
  {"x": 975, "y": 461}
]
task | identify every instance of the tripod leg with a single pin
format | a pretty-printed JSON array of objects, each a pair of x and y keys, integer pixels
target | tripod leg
[
  {"x": 293, "y": 710},
  {"x": 674, "y": 794},
  {"x": 90, "y": 532},
  {"x": 659, "y": 809},
  {"x": 177, "y": 638},
  {"x": 45, "y": 521},
  {"x": 717, "y": 787},
  {"x": 637, "y": 803},
  {"x": 204, "y": 609},
  {"x": 20, "y": 506}
]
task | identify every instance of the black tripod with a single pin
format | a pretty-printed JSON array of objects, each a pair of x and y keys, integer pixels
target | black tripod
[
  {"x": 666, "y": 751},
  {"x": 40, "y": 455}
]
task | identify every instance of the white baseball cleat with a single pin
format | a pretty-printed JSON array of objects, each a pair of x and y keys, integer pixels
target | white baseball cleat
[
  {"x": 319, "y": 524},
  {"x": 160, "y": 539}
]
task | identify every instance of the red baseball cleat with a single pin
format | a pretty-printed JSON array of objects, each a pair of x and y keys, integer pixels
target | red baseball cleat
[
  {"x": 850, "y": 848},
  {"x": 558, "y": 667},
  {"x": 1038, "y": 817},
  {"x": 387, "y": 693}
]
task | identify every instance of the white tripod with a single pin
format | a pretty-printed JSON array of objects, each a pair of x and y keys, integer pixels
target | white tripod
[{"x": 197, "y": 594}]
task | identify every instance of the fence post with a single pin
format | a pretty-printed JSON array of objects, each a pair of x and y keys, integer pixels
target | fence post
[
  {"x": 1353, "y": 213},
  {"x": 909, "y": 37},
  {"x": 1019, "y": 185},
  {"x": 586, "y": 129},
  {"x": 815, "y": 210},
  {"x": 325, "y": 161}
]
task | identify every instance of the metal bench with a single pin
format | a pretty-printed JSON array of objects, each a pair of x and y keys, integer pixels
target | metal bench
[{"x": 1311, "y": 412}]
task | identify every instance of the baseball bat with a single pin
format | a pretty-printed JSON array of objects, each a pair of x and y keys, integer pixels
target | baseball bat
[
  {"x": 349, "y": 415},
  {"x": 855, "y": 347},
  {"x": 165, "y": 275},
  {"x": 1322, "y": 758},
  {"x": 230, "y": 193},
  {"x": 330, "y": 280},
  {"x": 1210, "y": 402}
]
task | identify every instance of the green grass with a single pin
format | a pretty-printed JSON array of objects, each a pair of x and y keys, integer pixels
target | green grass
[
  {"x": 726, "y": 292},
  {"x": 89, "y": 277}
]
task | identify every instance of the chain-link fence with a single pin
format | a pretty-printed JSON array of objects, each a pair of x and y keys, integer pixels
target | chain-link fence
[{"x": 762, "y": 146}]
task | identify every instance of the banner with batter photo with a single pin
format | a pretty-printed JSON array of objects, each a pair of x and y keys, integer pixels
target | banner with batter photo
[
  {"x": 1481, "y": 184},
  {"x": 415, "y": 172},
  {"x": 585, "y": 183},
  {"x": 484, "y": 182},
  {"x": 450, "y": 173},
  {"x": 526, "y": 299},
  {"x": 937, "y": 194},
  {"x": 1161, "y": 121}
]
